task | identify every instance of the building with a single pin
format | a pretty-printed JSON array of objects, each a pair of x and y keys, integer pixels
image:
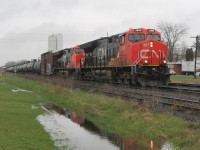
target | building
[
  {"x": 185, "y": 67},
  {"x": 55, "y": 42},
  {"x": 175, "y": 67}
]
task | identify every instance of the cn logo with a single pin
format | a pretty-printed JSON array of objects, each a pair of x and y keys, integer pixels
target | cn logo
[{"x": 146, "y": 54}]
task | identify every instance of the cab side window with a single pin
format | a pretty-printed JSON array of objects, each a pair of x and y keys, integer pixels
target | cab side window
[{"x": 121, "y": 39}]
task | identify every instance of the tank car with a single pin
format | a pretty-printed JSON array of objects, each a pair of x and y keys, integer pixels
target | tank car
[
  {"x": 136, "y": 57},
  {"x": 24, "y": 67},
  {"x": 37, "y": 67},
  {"x": 30, "y": 66}
]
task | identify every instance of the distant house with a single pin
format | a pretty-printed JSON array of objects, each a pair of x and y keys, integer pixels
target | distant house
[
  {"x": 175, "y": 67},
  {"x": 185, "y": 67}
]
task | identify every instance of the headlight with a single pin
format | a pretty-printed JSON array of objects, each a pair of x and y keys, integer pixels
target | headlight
[
  {"x": 146, "y": 61},
  {"x": 151, "y": 44},
  {"x": 164, "y": 61}
]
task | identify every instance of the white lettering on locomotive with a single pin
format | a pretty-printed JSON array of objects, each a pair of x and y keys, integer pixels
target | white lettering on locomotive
[{"x": 145, "y": 54}]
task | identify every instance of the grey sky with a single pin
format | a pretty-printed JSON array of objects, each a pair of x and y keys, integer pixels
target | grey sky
[{"x": 26, "y": 24}]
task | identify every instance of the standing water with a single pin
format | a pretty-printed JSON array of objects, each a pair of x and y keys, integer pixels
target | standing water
[
  {"x": 77, "y": 133},
  {"x": 69, "y": 135}
]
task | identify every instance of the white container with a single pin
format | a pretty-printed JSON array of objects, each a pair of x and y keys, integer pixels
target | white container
[{"x": 188, "y": 66}]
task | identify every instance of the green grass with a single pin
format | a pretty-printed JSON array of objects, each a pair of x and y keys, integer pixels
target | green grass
[
  {"x": 185, "y": 79},
  {"x": 20, "y": 130}
]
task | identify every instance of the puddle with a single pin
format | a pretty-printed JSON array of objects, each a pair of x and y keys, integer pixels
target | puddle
[
  {"x": 67, "y": 134},
  {"x": 73, "y": 131},
  {"x": 21, "y": 90}
]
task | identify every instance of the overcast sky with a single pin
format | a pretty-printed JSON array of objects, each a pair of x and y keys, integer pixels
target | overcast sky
[{"x": 26, "y": 24}]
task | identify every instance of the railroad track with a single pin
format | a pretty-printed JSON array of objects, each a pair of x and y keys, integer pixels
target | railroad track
[
  {"x": 146, "y": 94},
  {"x": 193, "y": 91},
  {"x": 180, "y": 95},
  {"x": 185, "y": 85}
]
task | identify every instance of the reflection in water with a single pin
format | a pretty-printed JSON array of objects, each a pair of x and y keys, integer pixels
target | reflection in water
[
  {"x": 77, "y": 118},
  {"x": 79, "y": 133}
]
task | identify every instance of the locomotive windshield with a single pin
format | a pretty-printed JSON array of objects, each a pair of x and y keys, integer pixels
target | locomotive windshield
[
  {"x": 134, "y": 38},
  {"x": 153, "y": 37},
  {"x": 78, "y": 51}
]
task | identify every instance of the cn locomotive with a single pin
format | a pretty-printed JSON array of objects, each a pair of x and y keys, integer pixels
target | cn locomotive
[{"x": 137, "y": 56}]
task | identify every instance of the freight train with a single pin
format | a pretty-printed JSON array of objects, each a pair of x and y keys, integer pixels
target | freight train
[{"x": 137, "y": 56}]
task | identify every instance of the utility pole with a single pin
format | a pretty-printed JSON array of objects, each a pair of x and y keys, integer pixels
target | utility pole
[
  {"x": 195, "y": 57},
  {"x": 107, "y": 48}
]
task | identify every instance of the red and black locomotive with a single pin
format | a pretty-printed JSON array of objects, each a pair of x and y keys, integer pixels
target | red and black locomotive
[{"x": 136, "y": 57}]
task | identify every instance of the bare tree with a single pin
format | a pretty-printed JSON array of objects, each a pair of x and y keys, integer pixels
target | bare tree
[
  {"x": 172, "y": 34},
  {"x": 9, "y": 63},
  {"x": 180, "y": 51}
]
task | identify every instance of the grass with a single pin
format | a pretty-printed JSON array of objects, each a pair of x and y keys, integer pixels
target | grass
[
  {"x": 185, "y": 79},
  {"x": 20, "y": 130}
]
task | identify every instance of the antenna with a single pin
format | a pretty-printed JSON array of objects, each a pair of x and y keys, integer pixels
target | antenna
[{"x": 107, "y": 47}]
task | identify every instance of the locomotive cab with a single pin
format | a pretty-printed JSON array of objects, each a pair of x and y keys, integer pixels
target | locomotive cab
[
  {"x": 149, "y": 56},
  {"x": 74, "y": 57},
  {"x": 145, "y": 47}
]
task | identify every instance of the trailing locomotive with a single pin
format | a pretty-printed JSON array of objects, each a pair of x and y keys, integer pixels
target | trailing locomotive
[
  {"x": 64, "y": 62},
  {"x": 134, "y": 57}
]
